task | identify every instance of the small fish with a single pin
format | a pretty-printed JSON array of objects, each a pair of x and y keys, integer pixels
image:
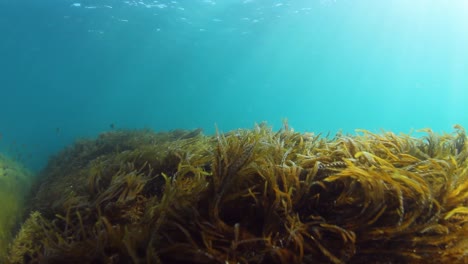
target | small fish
[
  {"x": 57, "y": 130},
  {"x": 112, "y": 126}
]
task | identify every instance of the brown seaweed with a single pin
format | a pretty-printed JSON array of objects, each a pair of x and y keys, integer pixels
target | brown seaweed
[{"x": 251, "y": 196}]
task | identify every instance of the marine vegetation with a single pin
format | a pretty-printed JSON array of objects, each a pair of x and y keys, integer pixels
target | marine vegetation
[
  {"x": 15, "y": 182},
  {"x": 251, "y": 196}
]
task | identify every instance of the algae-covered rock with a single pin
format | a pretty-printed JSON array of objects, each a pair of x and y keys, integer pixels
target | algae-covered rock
[
  {"x": 251, "y": 196},
  {"x": 15, "y": 181}
]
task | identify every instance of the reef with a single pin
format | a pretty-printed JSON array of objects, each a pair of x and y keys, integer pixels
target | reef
[{"x": 251, "y": 196}]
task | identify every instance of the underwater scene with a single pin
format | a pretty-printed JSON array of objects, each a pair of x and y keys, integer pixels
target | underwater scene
[{"x": 233, "y": 131}]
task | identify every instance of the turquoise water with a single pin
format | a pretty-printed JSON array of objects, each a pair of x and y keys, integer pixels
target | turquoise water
[{"x": 70, "y": 69}]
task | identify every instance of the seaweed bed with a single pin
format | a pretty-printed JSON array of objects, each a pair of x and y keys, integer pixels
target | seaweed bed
[
  {"x": 15, "y": 181},
  {"x": 251, "y": 196}
]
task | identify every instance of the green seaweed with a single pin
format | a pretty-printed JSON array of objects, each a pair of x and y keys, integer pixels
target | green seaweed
[{"x": 15, "y": 182}]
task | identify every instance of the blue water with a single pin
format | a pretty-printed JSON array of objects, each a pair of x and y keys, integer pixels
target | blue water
[{"x": 69, "y": 69}]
